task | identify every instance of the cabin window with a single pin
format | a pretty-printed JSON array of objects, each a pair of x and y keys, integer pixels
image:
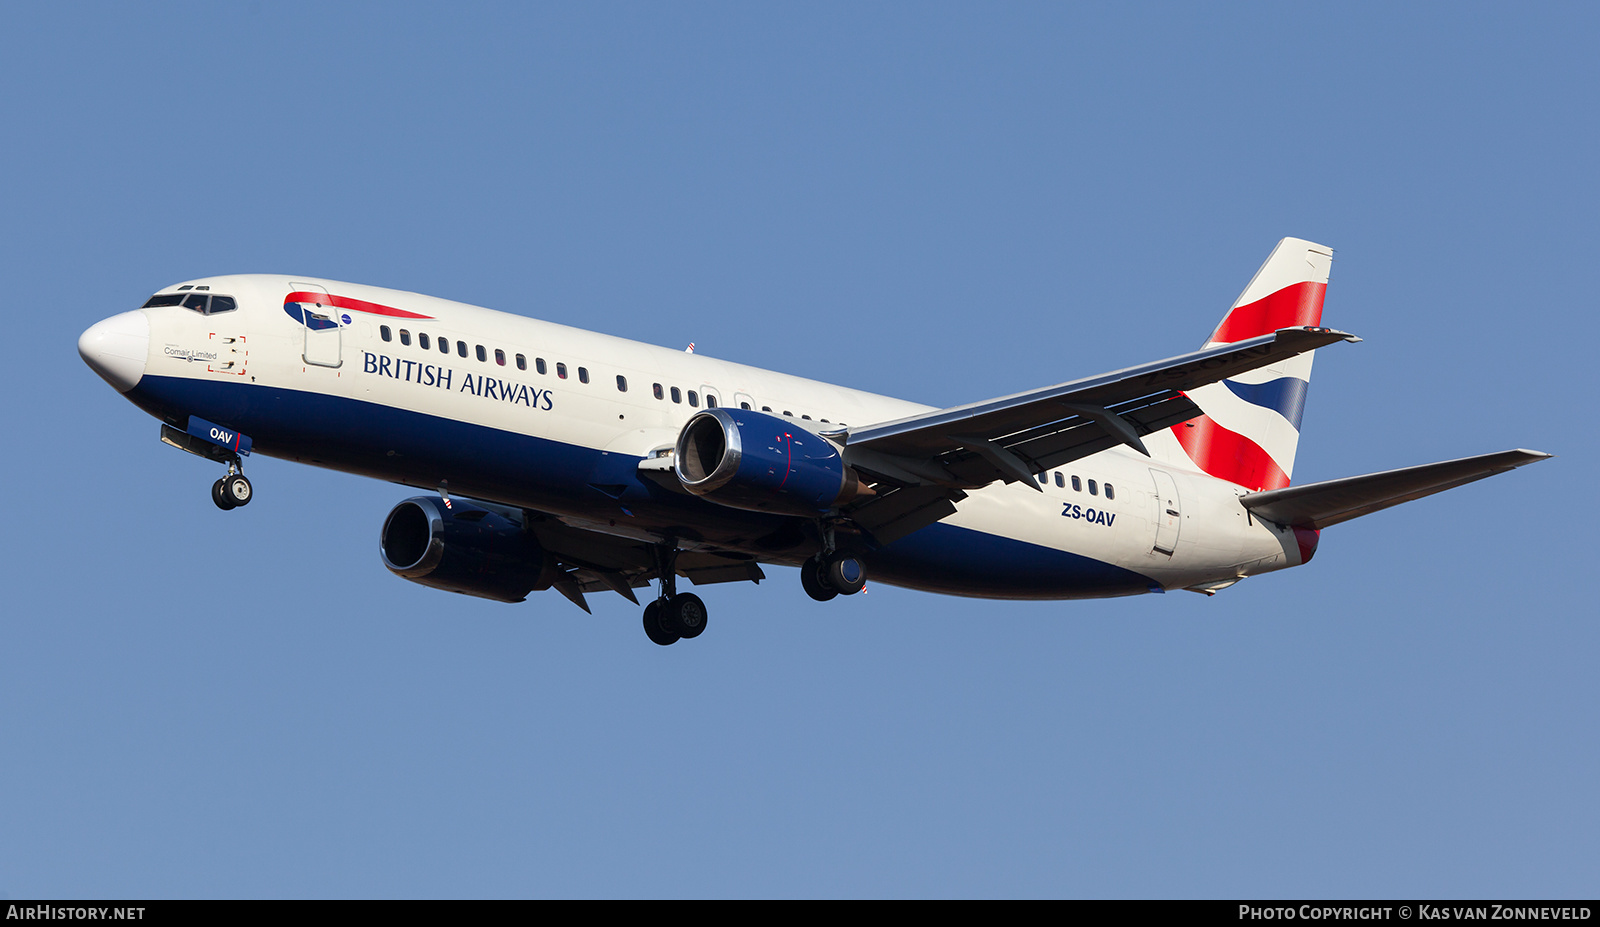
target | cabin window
[
  {"x": 385, "y": 333},
  {"x": 711, "y": 400},
  {"x": 744, "y": 405},
  {"x": 694, "y": 399},
  {"x": 1060, "y": 481},
  {"x": 1077, "y": 484},
  {"x": 483, "y": 356},
  {"x": 766, "y": 408},
  {"x": 461, "y": 348},
  {"x": 522, "y": 362},
  {"x": 405, "y": 336},
  {"x": 622, "y": 383},
  {"x": 1094, "y": 490},
  {"x": 422, "y": 340},
  {"x": 677, "y": 394},
  {"x": 656, "y": 387},
  {"x": 1044, "y": 479},
  {"x": 1110, "y": 494},
  {"x": 538, "y": 364},
  {"x": 500, "y": 356},
  {"x": 583, "y": 374},
  {"x": 561, "y": 371},
  {"x": 444, "y": 345}
]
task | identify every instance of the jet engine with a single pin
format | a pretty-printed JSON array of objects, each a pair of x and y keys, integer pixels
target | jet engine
[
  {"x": 463, "y": 547},
  {"x": 763, "y": 463}
]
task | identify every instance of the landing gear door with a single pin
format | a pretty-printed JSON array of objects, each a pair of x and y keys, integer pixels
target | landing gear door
[
  {"x": 323, "y": 323},
  {"x": 1169, "y": 516}
]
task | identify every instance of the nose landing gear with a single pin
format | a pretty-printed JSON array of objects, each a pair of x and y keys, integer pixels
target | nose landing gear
[
  {"x": 233, "y": 490},
  {"x": 221, "y": 444}
]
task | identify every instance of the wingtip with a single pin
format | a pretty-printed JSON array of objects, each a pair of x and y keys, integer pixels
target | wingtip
[{"x": 1333, "y": 334}]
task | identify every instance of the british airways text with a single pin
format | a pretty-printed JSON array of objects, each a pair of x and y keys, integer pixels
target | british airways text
[{"x": 484, "y": 386}]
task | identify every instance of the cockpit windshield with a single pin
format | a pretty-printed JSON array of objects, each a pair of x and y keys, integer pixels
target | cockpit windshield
[{"x": 203, "y": 303}]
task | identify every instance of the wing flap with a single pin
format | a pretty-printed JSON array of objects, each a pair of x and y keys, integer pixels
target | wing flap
[
  {"x": 705, "y": 569},
  {"x": 593, "y": 561},
  {"x": 1319, "y": 505},
  {"x": 892, "y": 516}
]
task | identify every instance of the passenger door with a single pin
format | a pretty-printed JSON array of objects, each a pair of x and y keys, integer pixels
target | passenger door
[
  {"x": 1169, "y": 516},
  {"x": 324, "y": 340}
]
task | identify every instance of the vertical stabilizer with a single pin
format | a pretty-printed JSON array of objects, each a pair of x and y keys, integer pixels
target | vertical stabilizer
[{"x": 1251, "y": 424}]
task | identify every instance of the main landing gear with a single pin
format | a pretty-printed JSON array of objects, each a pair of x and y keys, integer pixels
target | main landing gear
[
  {"x": 832, "y": 572},
  {"x": 827, "y": 575},
  {"x": 233, "y": 490},
  {"x": 675, "y": 616},
  {"x": 672, "y": 616},
  {"x": 670, "y": 619}
]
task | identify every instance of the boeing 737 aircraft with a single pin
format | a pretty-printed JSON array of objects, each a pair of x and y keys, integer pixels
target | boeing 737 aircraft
[{"x": 554, "y": 457}]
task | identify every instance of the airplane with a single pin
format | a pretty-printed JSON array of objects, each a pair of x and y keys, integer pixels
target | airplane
[{"x": 558, "y": 458}]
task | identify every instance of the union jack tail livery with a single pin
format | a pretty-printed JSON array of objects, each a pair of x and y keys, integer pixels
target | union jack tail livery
[{"x": 1252, "y": 422}]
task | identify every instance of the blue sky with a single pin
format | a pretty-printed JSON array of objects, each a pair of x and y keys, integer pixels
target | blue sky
[{"x": 941, "y": 202}]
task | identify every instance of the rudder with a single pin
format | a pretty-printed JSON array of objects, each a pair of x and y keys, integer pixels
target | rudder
[{"x": 1251, "y": 424}]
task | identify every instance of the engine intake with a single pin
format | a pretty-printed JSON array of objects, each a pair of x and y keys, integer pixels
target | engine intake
[
  {"x": 465, "y": 548},
  {"x": 763, "y": 463}
]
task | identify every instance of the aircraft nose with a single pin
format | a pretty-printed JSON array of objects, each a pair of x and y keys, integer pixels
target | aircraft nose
[{"x": 115, "y": 348}]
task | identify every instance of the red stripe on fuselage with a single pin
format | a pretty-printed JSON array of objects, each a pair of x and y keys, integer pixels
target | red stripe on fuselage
[
  {"x": 358, "y": 305},
  {"x": 1228, "y": 455},
  {"x": 1295, "y": 305}
]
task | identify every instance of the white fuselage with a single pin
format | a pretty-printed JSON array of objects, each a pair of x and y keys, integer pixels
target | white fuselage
[{"x": 528, "y": 413}]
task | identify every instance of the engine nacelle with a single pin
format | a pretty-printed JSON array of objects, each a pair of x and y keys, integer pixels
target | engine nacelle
[
  {"x": 464, "y": 548},
  {"x": 752, "y": 460}
]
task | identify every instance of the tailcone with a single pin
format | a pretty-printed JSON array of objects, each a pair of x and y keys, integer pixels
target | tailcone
[{"x": 1307, "y": 539}]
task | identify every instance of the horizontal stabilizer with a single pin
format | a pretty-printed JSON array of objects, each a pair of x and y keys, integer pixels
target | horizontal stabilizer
[{"x": 1318, "y": 505}]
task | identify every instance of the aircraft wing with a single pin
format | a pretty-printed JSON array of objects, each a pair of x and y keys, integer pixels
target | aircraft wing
[
  {"x": 1318, "y": 505},
  {"x": 1014, "y": 437},
  {"x": 925, "y": 462},
  {"x": 591, "y": 561}
]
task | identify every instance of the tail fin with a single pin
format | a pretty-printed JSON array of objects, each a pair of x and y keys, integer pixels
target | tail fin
[{"x": 1251, "y": 423}]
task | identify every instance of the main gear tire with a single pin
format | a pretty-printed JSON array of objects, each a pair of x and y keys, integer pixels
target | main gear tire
[
  {"x": 685, "y": 616},
  {"x": 811, "y": 579},
  {"x": 652, "y": 625}
]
